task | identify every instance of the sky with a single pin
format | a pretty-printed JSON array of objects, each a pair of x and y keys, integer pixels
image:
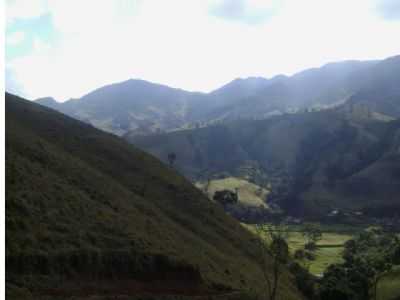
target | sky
[{"x": 67, "y": 48}]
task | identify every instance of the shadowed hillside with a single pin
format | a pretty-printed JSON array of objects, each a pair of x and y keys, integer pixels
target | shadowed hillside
[
  {"x": 314, "y": 162},
  {"x": 381, "y": 92},
  {"x": 88, "y": 213}
]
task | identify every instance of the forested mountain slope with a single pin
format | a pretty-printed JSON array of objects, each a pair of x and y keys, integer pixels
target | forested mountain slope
[{"x": 314, "y": 162}]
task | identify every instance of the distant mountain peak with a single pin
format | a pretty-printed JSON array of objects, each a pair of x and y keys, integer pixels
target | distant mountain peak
[
  {"x": 139, "y": 104},
  {"x": 48, "y": 101}
]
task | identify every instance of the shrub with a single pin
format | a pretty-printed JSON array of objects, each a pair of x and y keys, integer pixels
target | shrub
[
  {"x": 299, "y": 254},
  {"x": 310, "y": 246}
]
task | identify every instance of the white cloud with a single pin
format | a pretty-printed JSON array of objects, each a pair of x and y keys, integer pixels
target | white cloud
[
  {"x": 24, "y": 9},
  {"x": 12, "y": 83},
  {"x": 179, "y": 43},
  {"x": 247, "y": 11},
  {"x": 15, "y": 38}
]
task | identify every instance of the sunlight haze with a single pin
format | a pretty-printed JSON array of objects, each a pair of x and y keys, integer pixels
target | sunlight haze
[{"x": 66, "y": 49}]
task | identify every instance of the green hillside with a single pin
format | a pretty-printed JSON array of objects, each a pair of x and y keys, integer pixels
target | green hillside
[
  {"x": 88, "y": 214},
  {"x": 314, "y": 162}
]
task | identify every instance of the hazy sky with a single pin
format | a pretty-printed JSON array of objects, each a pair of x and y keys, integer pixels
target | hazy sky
[{"x": 66, "y": 48}]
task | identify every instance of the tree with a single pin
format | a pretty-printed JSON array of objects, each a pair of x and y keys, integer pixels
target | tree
[
  {"x": 274, "y": 254},
  {"x": 334, "y": 284},
  {"x": 207, "y": 185},
  {"x": 225, "y": 197},
  {"x": 367, "y": 258},
  {"x": 305, "y": 281},
  {"x": 312, "y": 232},
  {"x": 171, "y": 158}
]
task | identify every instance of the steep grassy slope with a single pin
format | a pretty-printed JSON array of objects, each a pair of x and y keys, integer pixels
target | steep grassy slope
[
  {"x": 313, "y": 161},
  {"x": 83, "y": 207}
]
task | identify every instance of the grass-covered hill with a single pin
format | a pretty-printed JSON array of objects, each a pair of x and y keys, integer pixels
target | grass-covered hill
[
  {"x": 314, "y": 162},
  {"x": 88, "y": 214}
]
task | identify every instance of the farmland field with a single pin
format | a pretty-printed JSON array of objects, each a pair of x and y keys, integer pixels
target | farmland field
[{"x": 329, "y": 248}]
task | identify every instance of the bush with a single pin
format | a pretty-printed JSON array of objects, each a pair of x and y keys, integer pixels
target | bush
[
  {"x": 304, "y": 280},
  {"x": 225, "y": 197},
  {"x": 299, "y": 254},
  {"x": 311, "y": 246},
  {"x": 309, "y": 255}
]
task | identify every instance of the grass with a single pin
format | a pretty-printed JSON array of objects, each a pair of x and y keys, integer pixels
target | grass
[
  {"x": 324, "y": 258},
  {"x": 389, "y": 286},
  {"x": 329, "y": 239},
  {"x": 85, "y": 205},
  {"x": 329, "y": 249},
  {"x": 249, "y": 193}
]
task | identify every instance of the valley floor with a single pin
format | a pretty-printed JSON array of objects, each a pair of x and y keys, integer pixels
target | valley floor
[{"x": 329, "y": 248}]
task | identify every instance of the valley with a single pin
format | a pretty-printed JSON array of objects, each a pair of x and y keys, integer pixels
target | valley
[
  {"x": 200, "y": 150},
  {"x": 320, "y": 164},
  {"x": 140, "y": 190}
]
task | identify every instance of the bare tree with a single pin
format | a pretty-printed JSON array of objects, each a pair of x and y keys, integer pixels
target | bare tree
[
  {"x": 274, "y": 254},
  {"x": 207, "y": 185},
  {"x": 312, "y": 233}
]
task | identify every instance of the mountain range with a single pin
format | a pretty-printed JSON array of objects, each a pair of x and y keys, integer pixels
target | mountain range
[
  {"x": 315, "y": 161},
  {"x": 92, "y": 209},
  {"x": 322, "y": 139},
  {"x": 137, "y": 107}
]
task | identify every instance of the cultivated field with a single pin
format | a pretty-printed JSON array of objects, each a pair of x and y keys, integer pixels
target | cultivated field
[{"x": 329, "y": 249}]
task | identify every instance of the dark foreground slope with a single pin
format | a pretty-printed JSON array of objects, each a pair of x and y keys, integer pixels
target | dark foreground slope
[
  {"x": 313, "y": 162},
  {"x": 88, "y": 214}
]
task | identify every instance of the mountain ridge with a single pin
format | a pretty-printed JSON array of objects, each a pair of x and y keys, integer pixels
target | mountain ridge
[{"x": 139, "y": 107}]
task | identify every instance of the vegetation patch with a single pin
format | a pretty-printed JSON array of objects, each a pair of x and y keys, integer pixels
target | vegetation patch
[
  {"x": 329, "y": 247},
  {"x": 389, "y": 286},
  {"x": 249, "y": 194}
]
